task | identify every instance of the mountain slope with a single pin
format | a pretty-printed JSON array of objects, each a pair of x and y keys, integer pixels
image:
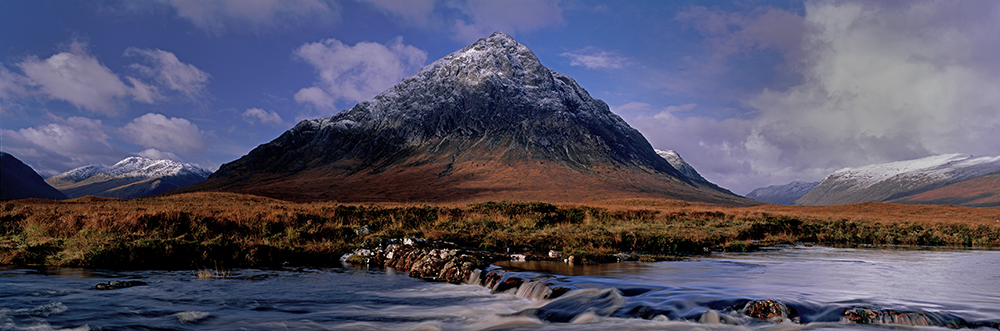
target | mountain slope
[
  {"x": 982, "y": 191},
  {"x": 19, "y": 181},
  {"x": 782, "y": 194},
  {"x": 132, "y": 177},
  {"x": 486, "y": 122},
  {"x": 895, "y": 180}
]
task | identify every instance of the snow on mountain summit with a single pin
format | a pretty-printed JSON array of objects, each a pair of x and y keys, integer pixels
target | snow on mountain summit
[
  {"x": 132, "y": 177},
  {"x": 866, "y": 176},
  {"x": 136, "y": 166},
  {"x": 80, "y": 173}
]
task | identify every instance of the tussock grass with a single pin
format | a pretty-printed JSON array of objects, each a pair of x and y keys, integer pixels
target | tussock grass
[{"x": 197, "y": 229}]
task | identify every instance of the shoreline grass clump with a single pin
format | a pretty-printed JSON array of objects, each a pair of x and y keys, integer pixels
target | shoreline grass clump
[{"x": 191, "y": 230}]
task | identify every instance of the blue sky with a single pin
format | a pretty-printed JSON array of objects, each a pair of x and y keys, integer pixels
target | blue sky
[{"x": 751, "y": 93}]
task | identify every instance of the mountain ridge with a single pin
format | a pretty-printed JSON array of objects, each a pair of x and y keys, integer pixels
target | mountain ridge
[
  {"x": 897, "y": 180},
  {"x": 131, "y": 177}
]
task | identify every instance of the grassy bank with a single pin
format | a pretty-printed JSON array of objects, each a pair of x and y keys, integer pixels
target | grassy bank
[{"x": 219, "y": 230}]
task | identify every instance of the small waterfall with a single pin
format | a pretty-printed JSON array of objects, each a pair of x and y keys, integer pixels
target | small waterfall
[
  {"x": 474, "y": 277},
  {"x": 536, "y": 289}
]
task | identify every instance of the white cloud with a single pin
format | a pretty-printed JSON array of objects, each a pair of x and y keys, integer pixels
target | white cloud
[
  {"x": 512, "y": 16},
  {"x": 62, "y": 144},
  {"x": 263, "y": 116},
  {"x": 356, "y": 73},
  {"x": 171, "y": 72},
  {"x": 155, "y": 154},
  {"x": 316, "y": 97},
  {"x": 78, "y": 78},
  {"x": 175, "y": 135},
  {"x": 220, "y": 16},
  {"x": 595, "y": 58}
]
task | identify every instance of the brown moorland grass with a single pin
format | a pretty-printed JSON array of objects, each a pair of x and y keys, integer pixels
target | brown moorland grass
[{"x": 206, "y": 230}]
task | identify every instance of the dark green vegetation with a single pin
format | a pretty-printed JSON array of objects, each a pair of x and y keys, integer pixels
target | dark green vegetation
[{"x": 223, "y": 230}]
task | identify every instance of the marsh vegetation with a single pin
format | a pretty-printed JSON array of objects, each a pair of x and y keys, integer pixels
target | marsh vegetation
[{"x": 207, "y": 230}]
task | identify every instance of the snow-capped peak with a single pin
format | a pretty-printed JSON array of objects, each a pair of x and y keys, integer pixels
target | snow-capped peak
[
  {"x": 133, "y": 167},
  {"x": 136, "y": 166}
]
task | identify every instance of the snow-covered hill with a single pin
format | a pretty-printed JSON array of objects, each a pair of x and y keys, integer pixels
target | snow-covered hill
[
  {"x": 887, "y": 181},
  {"x": 782, "y": 194},
  {"x": 129, "y": 178}
]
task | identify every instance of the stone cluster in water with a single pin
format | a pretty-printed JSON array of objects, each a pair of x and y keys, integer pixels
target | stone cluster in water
[
  {"x": 114, "y": 285},
  {"x": 428, "y": 260}
]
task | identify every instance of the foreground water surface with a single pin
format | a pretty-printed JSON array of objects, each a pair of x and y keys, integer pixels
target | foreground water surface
[{"x": 819, "y": 283}]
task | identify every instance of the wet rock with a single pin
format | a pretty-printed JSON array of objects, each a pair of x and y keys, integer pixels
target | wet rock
[
  {"x": 432, "y": 261},
  {"x": 558, "y": 291},
  {"x": 509, "y": 283},
  {"x": 768, "y": 310},
  {"x": 871, "y": 316},
  {"x": 113, "y": 285}
]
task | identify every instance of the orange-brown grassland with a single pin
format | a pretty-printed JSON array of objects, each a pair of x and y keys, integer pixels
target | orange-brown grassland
[{"x": 227, "y": 230}]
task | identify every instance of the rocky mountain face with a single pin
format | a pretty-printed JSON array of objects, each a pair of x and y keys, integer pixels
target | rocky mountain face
[
  {"x": 19, "y": 181},
  {"x": 486, "y": 122},
  {"x": 896, "y": 181},
  {"x": 782, "y": 194},
  {"x": 132, "y": 177}
]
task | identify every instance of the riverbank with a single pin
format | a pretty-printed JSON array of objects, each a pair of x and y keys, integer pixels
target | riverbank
[{"x": 223, "y": 230}]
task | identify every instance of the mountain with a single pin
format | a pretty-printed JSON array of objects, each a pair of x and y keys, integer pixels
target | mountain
[
  {"x": 486, "y": 122},
  {"x": 782, "y": 194},
  {"x": 896, "y": 180},
  {"x": 19, "y": 181},
  {"x": 678, "y": 163},
  {"x": 132, "y": 177}
]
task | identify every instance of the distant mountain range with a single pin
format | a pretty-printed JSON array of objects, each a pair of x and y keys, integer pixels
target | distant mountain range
[
  {"x": 488, "y": 121},
  {"x": 940, "y": 179},
  {"x": 132, "y": 177},
  {"x": 782, "y": 194},
  {"x": 19, "y": 181}
]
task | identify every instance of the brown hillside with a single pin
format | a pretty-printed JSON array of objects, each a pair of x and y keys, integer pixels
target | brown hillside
[
  {"x": 981, "y": 191},
  {"x": 475, "y": 181}
]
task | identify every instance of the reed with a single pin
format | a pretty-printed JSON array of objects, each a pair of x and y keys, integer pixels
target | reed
[{"x": 191, "y": 230}]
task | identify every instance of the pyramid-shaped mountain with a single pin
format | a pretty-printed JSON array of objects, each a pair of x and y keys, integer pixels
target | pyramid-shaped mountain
[{"x": 486, "y": 122}]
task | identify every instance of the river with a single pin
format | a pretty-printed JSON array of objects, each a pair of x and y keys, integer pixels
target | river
[{"x": 960, "y": 287}]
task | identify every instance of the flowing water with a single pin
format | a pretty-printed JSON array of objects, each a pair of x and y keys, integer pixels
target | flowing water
[{"x": 818, "y": 283}]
